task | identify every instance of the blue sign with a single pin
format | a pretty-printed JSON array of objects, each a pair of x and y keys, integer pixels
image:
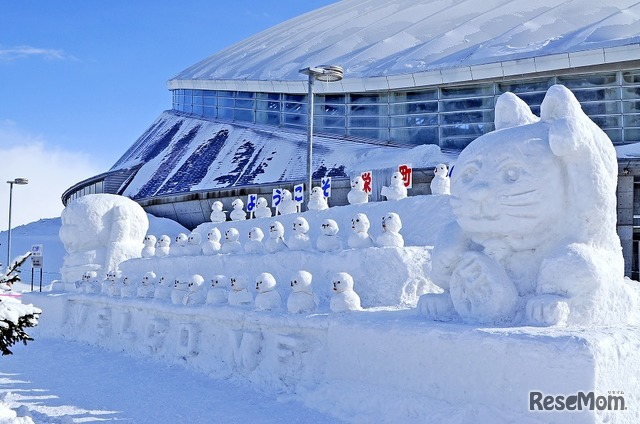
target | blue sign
[
  {"x": 276, "y": 197},
  {"x": 325, "y": 184},
  {"x": 251, "y": 202},
  {"x": 298, "y": 193}
]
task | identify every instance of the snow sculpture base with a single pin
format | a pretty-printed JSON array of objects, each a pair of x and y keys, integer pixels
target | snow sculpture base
[{"x": 371, "y": 366}]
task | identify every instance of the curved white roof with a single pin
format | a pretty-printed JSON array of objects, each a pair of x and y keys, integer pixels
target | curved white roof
[{"x": 390, "y": 39}]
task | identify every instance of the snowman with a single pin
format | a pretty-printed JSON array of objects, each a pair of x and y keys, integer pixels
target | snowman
[
  {"x": 317, "y": 201},
  {"x": 89, "y": 283},
  {"x": 163, "y": 246},
  {"x": 193, "y": 244},
  {"x": 440, "y": 183},
  {"x": 390, "y": 236},
  {"x": 254, "y": 244},
  {"x": 149, "y": 246},
  {"x": 359, "y": 237},
  {"x": 218, "y": 293},
  {"x": 396, "y": 190},
  {"x": 301, "y": 300},
  {"x": 129, "y": 288},
  {"x": 231, "y": 243},
  {"x": 196, "y": 293},
  {"x": 268, "y": 297},
  {"x": 329, "y": 241},
  {"x": 211, "y": 245},
  {"x": 287, "y": 204},
  {"x": 146, "y": 288},
  {"x": 344, "y": 298},
  {"x": 179, "y": 290},
  {"x": 217, "y": 214},
  {"x": 357, "y": 194},
  {"x": 299, "y": 240},
  {"x": 179, "y": 247},
  {"x": 275, "y": 242},
  {"x": 114, "y": 288},
  {"x": 109, "y": 280},
  {"x": 164, "y": 288},
  {"x": 239, "y": 295},
  {"x": 262, "y": 209},
  {"x": 238, "y": 213}
]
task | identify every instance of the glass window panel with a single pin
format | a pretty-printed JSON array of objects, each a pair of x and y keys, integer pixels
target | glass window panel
[
  {"x": 187, "y": 108},
  {"x": 456, "y": 143},
  {"x": 630, "y": 135},
  {"x": 467, "y": 117},
  {"x": 329, "y": 121},
  {"x": 225, "y": 93},
  {"x": 598, "y": 94},
  {"x": 413, "y": 96},
  {"x": 209, "y": 101},
  {"x": 415, "y": 135},
  {"x": 188, "y": 92},
  {"x": 295, "y": 107},
  {"x": 245, "y": 95},
  {"x": 631, "y": 107},
  {"x": 614, "y": 134},
  {"x": 414, "y": 120},
  {"x": 611, "y": 121},
  {"x": 300, "y": 98},
  {"x": 270, "y": 118},
  {"x": 632, "y": 120},
  {"x": 588, "y": 80},
  {"x": 631, "y": 77},
  {"x": 630, "y": 92},
  {"x": 245, "y": 115},
  {"x": 268, "y": 96},
  {"x": 198, "y": 110},
  {"x": 368, "y": 98},
  {"x": 331, "y": 98},
  {"x": 407, "y": 108},
  {"x": 268, "y": 105},
  {"x": 209, "y": 112},
  {"x": 225, "y": 113},
  {"x": 467, "y": 104},
  {"x": 369, "y": 110},
  {"x": 467, "y": 129},
  {"x": 601, "y": 108},
  {"x": 368, "y": 121},
  {"x": 532, "y": 98},
  {"x": 244, "y": 104},
  {"x": 225, "y": 102},
  {"x": 332, "y": 130},
  {"x": 290, "y": 119},
  {"x": 379, "y": 134},
  {"x": 469, "y": 91},
  {"x": 519, "y": 87},
  {"x": 331, "y": 109}
]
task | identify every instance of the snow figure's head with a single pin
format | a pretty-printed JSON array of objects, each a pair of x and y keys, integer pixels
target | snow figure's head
[
  {"x": 214, "y": 234},
  {"x": 391, "y": 222},
  {"x": 441, "y": 170},
  {"x": 301, "y": 282},
  {"x": 220, "y": 282},
  {"x": 396, "y": 179},
  {"x": 300, "y": 225},
  {"x": 317, "y": 193},
  {"x": 126, "y": 281},
  {"x": 276, "y": 230},
  {"x": 112, "y": 275},
  {"x": 194, "y": 239},
  {"x": 150, "y": 240},
  {"x": 180, "y": 282},
  {"x": 238, "y": 204},
  {"x": 164, "y": 241},
  {"x": 148, "y": 278},
  {"x": 286, "y": 195},
  {"x": 195, "y": 282},
  {"x": 360, "y": 223},
  {"x": 342, "y": 282},
  {"x": 256, "y": 234},
  {"x": 166, "y": 281},
  {"x": 262, "y": 203},
  {"x": 89, "y": 275},
  {"x": 239, "y": 282},
  {"x": 265, "y": 282},
  {"x": 231, "y": 234},
  {"x": 216, "y": 206},
  {"x": 182, "y": 239},
  {"x": 329, "y": 227},
  {"x": 357, "y": 183}
]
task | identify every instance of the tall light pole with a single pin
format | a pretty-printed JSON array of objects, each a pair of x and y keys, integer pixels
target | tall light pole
[
  {"x": 324, "y": 73},
  {"x": 19, "y": 181}
]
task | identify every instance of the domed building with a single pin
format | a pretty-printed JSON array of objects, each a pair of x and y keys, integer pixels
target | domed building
[{"x": 419, "y": 82}]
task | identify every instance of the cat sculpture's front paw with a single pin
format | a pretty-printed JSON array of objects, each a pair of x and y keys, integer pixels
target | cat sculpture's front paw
[
  {"x": 436, "y": 307},
  {"x": 481, "y": 291},
  {"x": 547, "y": 310}
]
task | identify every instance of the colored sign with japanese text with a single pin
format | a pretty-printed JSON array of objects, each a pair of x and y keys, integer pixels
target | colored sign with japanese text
[
  {"x": 325, "y": 185},
  {"x": 251, "y": 202},
  {"x": 276, "y": 197},
  {"x": 407, "y": 174},
  {"x": 367, "y": 177},
  {"x": 298, "y": 193}
]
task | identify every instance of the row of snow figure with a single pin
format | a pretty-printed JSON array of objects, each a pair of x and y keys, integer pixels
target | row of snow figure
[
  {"x": 222, "y": 290},
  {"x": 298, "y": 240}
]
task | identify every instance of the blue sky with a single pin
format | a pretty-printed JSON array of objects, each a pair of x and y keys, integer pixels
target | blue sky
[{"x": 80, "y": 80}]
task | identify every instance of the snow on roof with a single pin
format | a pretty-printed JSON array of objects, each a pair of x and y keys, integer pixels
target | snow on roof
[{"x": 381, "y": 38}]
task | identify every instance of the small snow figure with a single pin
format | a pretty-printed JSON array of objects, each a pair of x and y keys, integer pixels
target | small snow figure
[
  {"x": 218, "y": 293},
  {"x": 179, "y": 248},
  {"x": 317, "y": 201},
  {"x": 231, "y": 243},
  {"x": 164, "y": 288},
  {"x": 396, "y": 189},
  {"x": 275, "y": 243},
  {"x": 390, "y": 237},
  {"x": 441, "y": 182},
  {"x": 301, "y": 299},
  {"x": 359, "y": 237},
  {"x": 268, "y": 297},
  {"x": 114, "y": 288},
  {"x": 193, "y": 244},
  {"x": 299, "y": 240},
  {"x": 239, "y": 295},
  {"x": 254, "y": 244},
  {"x": 196, "y": 293},
  {"x": 149, "y": 249},
  {"x": 147, "y": 289},
  {"x": 108, "y": 281},
  {"x": 217, "y": 214},
  {"x": 89, "y": 283},
  {"x": 211, "y": 245},
  {"x": 287, "y": 205},
  {"x": 344, "y": 298},
  {"x": 163, "y": 246},
  {"x": 179, "y": 290},
  {"x": 129, "y": 288},
  {"x": 262, "y": 208},
  {"x": 329, "y": 241},
  {"x": 357, "y": 194},
  {"x": 238, "y": 213}
]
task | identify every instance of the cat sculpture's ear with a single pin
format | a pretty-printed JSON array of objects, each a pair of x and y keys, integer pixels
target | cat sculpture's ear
[{"x": 511, "y": 111}]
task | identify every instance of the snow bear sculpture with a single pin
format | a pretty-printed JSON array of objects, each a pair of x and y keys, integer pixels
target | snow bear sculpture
[
  {"x": 441, "y": 183},
  {"x": 99, "y": 231},
  {"x": 534, "y": 239}
]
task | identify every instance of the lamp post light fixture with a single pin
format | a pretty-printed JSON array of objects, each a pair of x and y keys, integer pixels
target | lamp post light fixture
[
  {"x": 19, "y": 181},
  {"x": 324, "y": 73}
]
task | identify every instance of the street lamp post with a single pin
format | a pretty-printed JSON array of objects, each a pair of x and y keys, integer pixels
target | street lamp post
[
  {"x": 324, "y": 73},
  {"x": 19, "y": 181}
]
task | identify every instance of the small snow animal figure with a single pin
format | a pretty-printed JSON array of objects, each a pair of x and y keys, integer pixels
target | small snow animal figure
[
  {"x": 164, "y": 288},
  {"x": 196, "y": 293},
  {"x": 108, "y": 281},
  {"x": 179, "y": 248},
  {"x": 218, "y": 293},
  {"x": 217, "y": 214},
  {"x": 268, "y": 297},
  {"x": 287, "y": 204},
  {"x": 275, "y": 243},
  {"x": 146, "y": 288},
  {"x": 390, "y": 237},
  {"x": 254, "y": 244},
  {"x": 301, "y": 299},
  {"x": 179, "y": 290},
  {"x": 231, "y": 243},
  {"x": 441, "y": 182},
  {"x": 238, "y": 213},
  {"x": 149, "y": 249},
  {"x": 359, "y": 237},
  {"x": 163, "y": 246},
  {"x": 129, "y": 288},
  {"x": 262, "y": 209},
  {"x": 193, "y": 244},
  {"x": 329, "y": 241},
  {"x": 357, "y": 194},
  {"x": 299, "y": 240},
  {"x": 317, "y": 201},
  {"x": 344, "y": 298},
  {"x": 211, "y": 245},
  {"x": 396, "y": 189},
  {"x": 239, "y": 295}
]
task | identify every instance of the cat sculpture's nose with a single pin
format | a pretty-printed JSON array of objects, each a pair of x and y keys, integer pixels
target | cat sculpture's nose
[{"x": 479, "y": 192}]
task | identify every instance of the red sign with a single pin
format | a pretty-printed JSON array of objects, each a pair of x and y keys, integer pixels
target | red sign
[
  {"x": 407, "y": 175},
  {"x": 367, "y": 177}
]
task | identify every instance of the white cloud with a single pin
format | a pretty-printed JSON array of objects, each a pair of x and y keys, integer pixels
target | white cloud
[{"x": 8, "y": 54}]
